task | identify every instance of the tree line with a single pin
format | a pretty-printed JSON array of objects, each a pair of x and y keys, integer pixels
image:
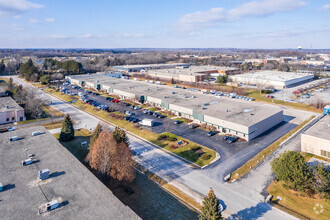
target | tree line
[
  {"x": 52, "y": 69},
  {"x": 33, "y": 107}
]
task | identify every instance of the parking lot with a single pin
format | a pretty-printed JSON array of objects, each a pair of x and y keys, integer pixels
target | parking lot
[{"x": 232, "y": 155}]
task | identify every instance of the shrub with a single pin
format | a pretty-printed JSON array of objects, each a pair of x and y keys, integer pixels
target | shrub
[
  {"x": 171, "y": 139},
  {"x": 162, "y": 136},
  {"x": 206, "y": 156},
  {"x": 189, "y": 154},
  {"x": 195, "y": 148}
]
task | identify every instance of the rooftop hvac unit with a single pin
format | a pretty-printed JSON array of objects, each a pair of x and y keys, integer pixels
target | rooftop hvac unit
[
  {"x": 52, "y": 205},
  {"x": 26, "y": 162},
  {"x": 15, "y": 138},
  {"x": 35, "y": 133},
  {"x": 43, "y": 174}
]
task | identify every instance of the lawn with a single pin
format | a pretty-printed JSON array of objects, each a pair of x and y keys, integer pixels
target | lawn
[
  {"x": 3, "y": 82},
  {"x": 53, "y": 125},
  {"x": 299, "y": 202},
  {"x": 184, "y": 152},
  {"x": 51, "y": 111},
  {"x": 153, "y": 109},
  {"x": 254, "y": 161},
  {"x": 75, "y": 146},
  {"x": 188, "y": 151},
  {"x": 184, "y": 120}
]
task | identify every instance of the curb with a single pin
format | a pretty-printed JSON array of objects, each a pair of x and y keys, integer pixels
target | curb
[{"x": 138, "y": 137}]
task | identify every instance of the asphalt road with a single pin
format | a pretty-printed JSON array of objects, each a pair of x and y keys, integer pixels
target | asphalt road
[
  {"x": 232, "y": 155},
  {"x": 240, "y": 202}
]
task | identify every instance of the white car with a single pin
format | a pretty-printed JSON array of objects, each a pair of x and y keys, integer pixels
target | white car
[{"x": 11, "y": 128}]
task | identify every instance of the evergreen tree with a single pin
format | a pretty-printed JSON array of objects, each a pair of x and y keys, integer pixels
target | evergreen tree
[
  {"x": 211, "y": 207},
  {"x": 172, "y": 81},
  {"x": 45, "y": 79},
  {"x": 120, "y": 136},
  {"x": 11, "y": 85},
  {"x": 291, "y": 168},
  {"x": 2, "y": 67},
  {"x": 67, "y": 132},
  {"x": 95, "y": 134}
]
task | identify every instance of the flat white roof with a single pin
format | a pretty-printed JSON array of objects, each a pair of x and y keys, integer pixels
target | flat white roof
[{"x": 272, "y": 75}]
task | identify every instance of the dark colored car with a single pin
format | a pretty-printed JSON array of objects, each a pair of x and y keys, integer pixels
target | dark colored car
[
  {"x": 211, "y": 133},
  {"x": 177, "y": 122},
  {"x": 226, "y": 137},
  {"x": 193, "y": 126},
  {"x": 232, "y": 139},
  {"x": 161, "y": 116}
]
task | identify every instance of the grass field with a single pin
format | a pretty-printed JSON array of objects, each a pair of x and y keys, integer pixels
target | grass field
[
  {"x": 51, "y": 111},
  {"x": 184, "y": 120},
  {"x": 184, "y": 152},
  {"x": 75, "y": 146},
  {"x": 53, "y": 125},
  {"x": 187, "y": 151},
  {"x": 253, "y": 162},
  {"x": 299, "y": 202}
]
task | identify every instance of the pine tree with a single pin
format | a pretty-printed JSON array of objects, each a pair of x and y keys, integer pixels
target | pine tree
[
  {"x": 172, "y": 81},
  {"x": 120, "y": 136},
  {"x": 67, "y": 132},
  {"x": 11, "y": 85},
  {"x": 2, "y": 67},
  {"x": 210, "y": 208},
  {"x": 95, "y": 134}
]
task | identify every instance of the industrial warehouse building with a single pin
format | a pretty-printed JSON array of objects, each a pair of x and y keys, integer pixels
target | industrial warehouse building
[
  {"x": 144, "y": 67},
  {"x": 79, "y": 193},
  {"x": 272, "y": 79},
  {"x": 237, "y": 117},
  {"x": 192, "y": 73},
  {"x": 316, "y": 140},
  {"x": 10, "y": 111}
]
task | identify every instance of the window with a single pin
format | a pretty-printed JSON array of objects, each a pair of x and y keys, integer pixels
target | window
[
  {"x": 7, "y": 119},
  {"x": 325, "y": 153},
  {"x": 12, "y": 118},
  {"x": 21, "y": 118}
]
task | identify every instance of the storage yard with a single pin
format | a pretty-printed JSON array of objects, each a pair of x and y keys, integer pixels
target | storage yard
[
  {"x": 69, "y": 188},
  {"x": 271, "y": 79},
  {"x": 241, "y": 118}
]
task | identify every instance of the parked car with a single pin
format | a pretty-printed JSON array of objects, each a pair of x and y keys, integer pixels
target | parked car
[
  {"x": 193, "y": 126},
  {"x": 160, "y": 116},
  {"x": 177, "y": 122},
  {"x": 232, "y": 139},
  {"x": 128, "y": 113},
  {"x": 226, "y": 138},
  {"x": 211, "y": 133},
  {"x": 137, "y": 107}
]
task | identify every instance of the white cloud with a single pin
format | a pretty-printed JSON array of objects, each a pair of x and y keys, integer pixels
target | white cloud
[
  {"x": 49, "y": 20},
  {"x": 33, "y": 21},
  {"x": 255, "y": 8},
  {"x": 17, "y": 6},
  {"x": 58, "y": 37},
  {"x": 85, "y": 36},
  {"x": 130, "y": 35},
  {"x": 326, "y": 7}
]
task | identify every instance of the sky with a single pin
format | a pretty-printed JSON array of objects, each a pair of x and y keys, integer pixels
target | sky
[{"x": 273, "y": 24}]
